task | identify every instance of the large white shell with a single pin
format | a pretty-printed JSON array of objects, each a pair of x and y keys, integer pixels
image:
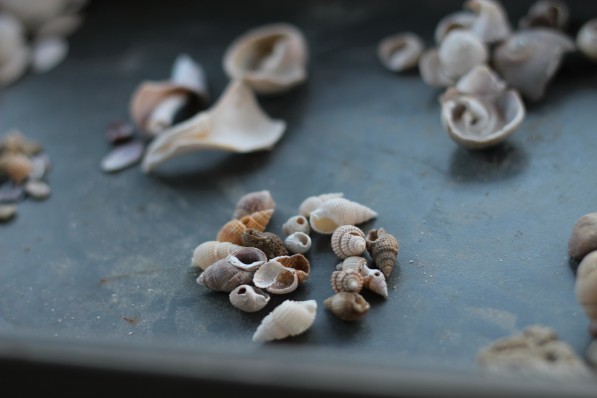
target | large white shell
[
  {"x": 298, "y": 242},
  {"x": 313, "y": 202},
  {"x": 235, "y": 123},
  {"x": 296, "y": 224},
  {"x": 491, "y": 22},
  {"x": 249, "y": 298},
  {"x": 209, "y": 252},
  {"x": 288, "y": 319},
  {"x": 339, "y": 211},
  {"x": 276, "y": 278}
]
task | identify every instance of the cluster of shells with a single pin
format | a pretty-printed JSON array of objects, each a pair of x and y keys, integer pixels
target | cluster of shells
[
  {"x": 33, "y": 35},
  {"x": 250, "y": 263},
  {"x": 267, "y": 60},
  {"x": 23, "y": 169},
  {"x": 487, "y": 68}
]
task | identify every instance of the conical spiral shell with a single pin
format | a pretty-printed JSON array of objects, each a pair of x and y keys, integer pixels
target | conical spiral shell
[
  {"x": 224, "y": 277},
  {"x": 298, "y": 262},
  {"x": 258, "y": 220},
  {"x": 247, "y": 258},
  {"x": 268, "y": 242},
  {"x": 288, "y": 319},
  {"x": 348, "y": 240},
  {"x": 313, "y": 202},
  {"x": 253, "y": 202},
  {"x": 276, "y": 278},
  {"x": 211, "y": 251},
  {"x": 248, "y": 298},
  {"x": 339, "y": 211},
  {"x": 296, "y": 224},
  {"x": 347, "y": 281},
  {"x": 298, "y": 242},
  {"x": 233, "y": 229},
  {"x": 376, "y": 282},
  {"x": 348, "y": 306},
  {"x": 383, "y": 248}
]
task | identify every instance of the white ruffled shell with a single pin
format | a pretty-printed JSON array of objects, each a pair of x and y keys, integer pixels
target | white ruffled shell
[
  {"x": 288, "y": 319},
  {"x": 249, "y": 298},
  {"x": 298, "y": 242},
  {"x": 339, "y": 211}
]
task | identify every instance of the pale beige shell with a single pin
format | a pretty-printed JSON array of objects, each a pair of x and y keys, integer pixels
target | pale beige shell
[
  {"x": 400, "y": 52},
  {"x": 276, "y": 278},
  {"x": 298, "y": 242},
  {"x": 348, "y": 306},
  {"x": 235, "y": 123},
  {"x": 313, "y": 202},
  {"x": 348, "y": 241},
  {"x": 224, "y": 277},
  {"x": 271, "y": 58},
  {"x": 232, "y": 231},
  {"x": 34, "y": 13},
  {"x": 383, "y": 248},
  {"x": 491, "y": 22},
  {"x": 247, "y": 258},
  {"x": 547, "y": 13},
  {"x": 586, "y": 39},
  {"x": 209, "y": 252},
  {"x": 299, "y": 263},
  {"x": 459, "y": 52},
  {"x": 16, "y": 166},
  {"x": 14, "y": 53},
  {"x": 296, "y": 224},
  {"x": 15, "y": 142},
  {"x": 586, "y": 285},
  {"x": 376, "y": 282},
  {"x": 288, "y": 319},
  {"x": 339, "y": 211},
  {"x": 355, "y": 263},
  {"x": 249, "y": 298},
  {"x": 253, "y": 202},
  {"x": 583, "y": 239},
  {"x": 347, "y": 281},
  {"x": 431, "y": 70},
  {"x": 456, "y": 20}
]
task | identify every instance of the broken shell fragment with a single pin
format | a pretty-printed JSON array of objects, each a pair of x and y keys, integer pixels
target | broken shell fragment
[
  {"x": 209, "y": 252},
  {"x": 298, "y": 242},
  {"x": 16, "y": 166},
  {"x": 7, "y": 212},
  {"x": 271, "y": 58},
  {"x": 224, "y": 277},
  {"x": 348, "y": 306},
  {"x": 456, "y": 20},
  {"x": 271, "y": 244},
  {"x": 339, "y": 211},
  {"x": 248, "y": 298},
  {"x": 348, "y": 241},
  {"x": 546, "y": 13},
  {"x": 288, "y": 319},
  {"x": 299, "y": 263},
  {"x": 584, "y": 236},
  {"x": 123, "y": 156},
  {"x": 47, "y": 53},
  {"x": 37, "y": 189},
  {"x": 247, "y": 258},
  {"x": 235, "y": 123},
  {"x": 233, "y": 229},
  {"x": 276, "y": 278},
  {"x": 383, "y": 248},
  {"x": 491, "y": 22},
  {"x": 401, "y": 51},
  {"x": 313, "y": 202},
  {"x": 296, "y": 224},
  {"x": 586, "y": 39},
  {"x": 253, "y": 202},
  {"x": 586, "y": 285},
  {"x": 347, "y": 281}
]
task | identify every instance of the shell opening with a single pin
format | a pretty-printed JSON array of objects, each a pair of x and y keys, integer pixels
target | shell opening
[
  {"x": 242, "y": 290},
  {"x": 260, "y": 55}
]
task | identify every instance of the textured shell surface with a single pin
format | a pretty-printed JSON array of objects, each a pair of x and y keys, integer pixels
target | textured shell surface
[
  {"x": 586, "y": 39},
  {"x": 348, "y": 306},
  {"x": 232, "y": 232},
  {"x": 224, "y": 277},
  {"x": 313, "y": 202},
  {"x": 584, "y": 236},
  {"x": 383, "y": 248},
  {"x": 400, "y": 52},
  {"x": 339, "y": 211},
  {"x": 249, "y": 298},
  {"x": 247, "y": 258},
  {"x": 268, "y": 242},
  {"x": 355, "y": 263},
  {"x": 376, "y": 282},
  {"x": 348, "y": 241},
  {"x": 298, "y": 262},
  {"x": 347, "y": 281},
  {"x": 491, "y": 22},
  {"x": 298, "y": 242},
  {"x": 276, "y": 278},
  {"x": 253, "y": 202},
  {"x": 586, "y": 284},
  {"x": 207, "y": 253},
  {"x": 288, "y": 319},
  {"x": 296, "y": 224},
  {"x": 15, "y": 142}
]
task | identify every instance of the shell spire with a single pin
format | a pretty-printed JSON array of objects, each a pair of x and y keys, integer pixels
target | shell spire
[
  {"x": 383, "y": 248},
  {"x": 348, "y": 240},
  {"x": 339, "y": 211},
  {"x": 288, "y": 319}
]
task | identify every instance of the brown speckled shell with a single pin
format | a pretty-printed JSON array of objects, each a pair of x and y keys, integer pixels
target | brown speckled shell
[
  {"x": 253, "y": 202},
  {"x": 383, "y": 248},
  {"x": 224, "y": 277},
  {"x": 16, "y": 166},
  {"x": 297, "y": 261},
  {"x": 268, "y": 242},
  {"x": 347, "y": 281},
  {"x": 348, "y": 240},
  {"x": 347, "y": 306}
]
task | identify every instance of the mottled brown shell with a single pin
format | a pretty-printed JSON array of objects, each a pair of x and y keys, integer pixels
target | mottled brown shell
[
  {"x": 348, "y": 240},
  {"x": 347, "y": 281},
  {"x": 584, "y": 236},
  {"x": 224, "y": 277},
  {"x": 298, "y": 262},
  {"x": 254, "y": 202},
  {"x": 15, "y": 166},
  {"x": 383, "y": 248},
  {"x": 268, "y": 242},
  {"x": 348, "y": 306}
]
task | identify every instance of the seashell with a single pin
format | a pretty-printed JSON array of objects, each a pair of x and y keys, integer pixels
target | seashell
[
  {"x": 296, "y": 224},
  {"x": 118, "y": 132},
  {"x": 123, "y": 156},
  {"x": 401, "y": 51},
  {"x": 276, "y": 278},
  {"x": 248, "y": 298},
  {"x": 16, "y": 166},
  {"x": 313, "y": 202},
  {"x": 339, "y": 211},
  {"x": 235, "y": 123},
  {"x": 431, "y": 70},
  {"x": 584, "y": 236},
  {"x": 586, "y": 39},
  {"x": 60, "y": 26},
  {"x": 347, "y": 281},
  {"x": 47, "y": 53},
  {"x": 480, "y": 112},
  {"x": 34, "y": 13},
  {"x": 224, "y": 277},
  {"x": 376, "y": 282},
  {"x": 7, "y": 212},
  {"x": 37, "y": 189},
  {"x": 456, "y": 20},
  {"x": 529, "y": 59},
  {"x": 209, "y": 252},
  {"x": 348, "y": 306},
  {"x": 247, "y": 258},
  {"x": 546, "y": 13},
  {"x": 270, "y": 59},
  {"x": 253, "y": 202},
  {"x": 348, "y": 241},
  {"x": 491, "y": 22},
  {"x": 270, "y": 243},
  {"x": 154, "y": 104},
  {"x": 298, "y": 242},
  {"x": 383, "y": 248},
  {"x": 40, "y": 165},
  {"x": 233, "y": 229},
  {"x": 355, "y": 263},
  {"x": 14, "y": 53},
  {"x": 258, "y": 220},
  {"x": 288, "y": 319},
  {"x": 373, "y": 279},
  {"x": 586, "y": 285},
  {"x": 15, "y": 142},
  {"x": 299, "y": 263}
]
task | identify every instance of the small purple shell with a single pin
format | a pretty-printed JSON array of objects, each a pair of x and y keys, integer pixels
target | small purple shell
[{"x": 123, "y": 156}]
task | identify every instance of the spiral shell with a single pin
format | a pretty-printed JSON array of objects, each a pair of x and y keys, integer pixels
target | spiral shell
[
  {"x": 383, "y": 248},
  {"x": 313, "y": 202},
  {"x": 348, "y": 240},
  {"x": 247, "y": 258},
  {"x": 16, "y": 166},
  {"x": 298, "y": 262},
  {"x": 339, "y": 211},
  {"x": 586, "y": 285},
  {"x": 298, "y": 242},
  {"x": 224, "y": 277},
  {"x": 288, "y": 319},
  {"x": 276, "y": 278},
  {"x": 15, "y": 142},
  {"x": 211, "y": 251},
  {"x": 400, "y": 52},
  {"x": 491, "y": 22},
  {"x": 348, "y": 306},
  {"x": 355, "y": 263},
  {"x": 548, "y": 13},
  {"x": 296, "y": 224},
  {"x": 233, "y": 229},
  {"x": 248, "y": 298},
  {"x": 347, "y": 281},
  {"x": 376, "y": 282},
  {"x": 268, "y": 242},
  {"x": 254, "y": 202}
]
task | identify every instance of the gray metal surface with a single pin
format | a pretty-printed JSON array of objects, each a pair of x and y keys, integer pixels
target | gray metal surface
[{"x": 482, "y": 236}]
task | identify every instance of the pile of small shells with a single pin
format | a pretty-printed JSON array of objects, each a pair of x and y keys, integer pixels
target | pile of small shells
[
  {"x": 23, "y": 168},
  {"x": 249, "y": 263}
]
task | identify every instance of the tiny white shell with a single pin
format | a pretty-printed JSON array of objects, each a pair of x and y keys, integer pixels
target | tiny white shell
[
  {"x": 296, "y": 224},
  {"x": 298, "y": 242},
  {"x": 288, "y": 319},
  {"x": 400, "y": 52},
  {"x": 48, "y": 53},
  {"x": 586, "y": 39},
  {"x": 248, "y": 298}
]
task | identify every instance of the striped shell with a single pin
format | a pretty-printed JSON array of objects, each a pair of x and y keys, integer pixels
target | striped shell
[
  {"x": 339, "y": 211},
  {"x": 209, "y": 252},
  {"x": 247, "y": 258},
  {"x": 348, "y": 240},
  {"x": 383, "y": 248},
  {"x": 296, "y": 224},
  {"x": 253, "y": 202},
  {"x": 299, "y": 263},
  {"x": 347, "y": 281},
  {"x": 355, "y": 263},
  {"x": 248, "y": 298},
  {"x": 276, "y": 278},
  {"x": 298, "y": 242},
  {"x": 224, "y": 277},
  {"x": 233, "y": 229},
  {"x": 271, "y": 244},
  {"x": 288, "y": 319},
  {"x": 348, "y": 306},
  {"x": 313, "y": 202}
]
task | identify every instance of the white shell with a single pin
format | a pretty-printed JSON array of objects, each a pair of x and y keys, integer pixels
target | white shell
[
  {"x": 339, "y": 211},
  {"x": 209, "y": 252},
  {"x": 456, "y": 20},
  {"x": 14, "y": 53},
  {"x": 276, "y": 278},
  {"x": 348, "y": 241},
  {"x": 313, "y": 202},
  {"x": 48, "y": 53},
  {"x": 288, "y": 319},
  {"x": 298, "y": 242},
  {"x": 400, "y": 52},
  {"x": 586, "y": 285},
  {"x": 491, "y": 22},
  {"x": 248, "y": 298},
  {"x": 296, "y": 224},
  {"x": 235, "y": 123},
  {"x": 549, "y": 13},
  {"x": 459, "y": 52},
  {"x": 34, "y": 13},
  {"x": 247, "y": 258},
  {"x": 586, "y": 39}
]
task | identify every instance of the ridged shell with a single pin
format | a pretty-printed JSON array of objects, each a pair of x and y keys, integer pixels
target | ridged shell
[
  {"x": 232, "y": 231},
  {"x": 383, "y": 248},
  {"x": 224, "y": 277},
  {"x": 248, "y": 298},
  {"x": 298, "y": 242},
  {"x": 456, "y": 20},
  {"x": 298, "y": 262},
  {"x": 253, "y": 202},
  {"x": 247, "y": 258},
  {"x": 348, "y": 241},
  {"x": 459, "y": 52},
  {"x": 209, "y": 252},
  {"x": 296, "y": 224},
  {"x": 586, "y": 285},
  {"x": 16, "y": 166},
  {"x": 288, "y": 319},
  {"x": 313, "y": 202},
  {"x": 584, "y": 236},
  {"x": 355, "y": 263},
  {"x": 268, "y": 242},
  {"x": 276, "y": 278},
  {"x": 376, "y": 282},
  {"x": 347, "y": 281},
  {"x": 347, "y": 306},
  {"x": 339, "y": 211}
]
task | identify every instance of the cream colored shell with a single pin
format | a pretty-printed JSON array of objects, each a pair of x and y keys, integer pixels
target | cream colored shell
[
  {"x": 209, "y": 252},
  {"x": 276, "y": 278},
  {"x": 248, "y": 298},
  {"x": 491, "y": 23},
  {"x": 298, "y": 242},
  {"x": 348, "y": 241},
  {"x": 400, "y": 52},
  {"x": 290, "y": 318},
  {"x": 313, "y": 202},
  {"x": 339, "y": 211},
  {"x": 296, "y": 224}
]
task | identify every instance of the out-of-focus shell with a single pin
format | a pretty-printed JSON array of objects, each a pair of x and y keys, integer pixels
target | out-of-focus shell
[
  {"x": 247, "y": 258},
  {"x": 47, "y": 53},
  {"x": 586, "y": 285},
  {"x": 347, "y": 281},
  {"x": 298, "y": 262},
  {"x": 15, "y": 142},
  {"x": 584, "y": 236},
  {"x": 296, "y": 224},
  {"x": 224, "y": 277},
  {"x": 339, "y": 211},
  {"x": 209, "y": 252},
  {"x": 253, "y": 202},
  {"x": 232, "y": 231},
  {"x": 276, "y": 278},
  {"x": 491, "y": 22},
  {"x": 376, "y": 282},
  {"x": 34, "y": 13},
  {"x": 60, "y": 26},
  {"x": 456, "y": 20},
  {"x": 348, "y": 306},
  {"x": 529, "y": 59},
  {"x": 249, "y": 298},
  {"x": 16, "y": 166},
  {"x": 235, "y": 123},
  {"x": 288, "y": 319},
  {"x": 431, "y": 70},
  {"x": 313, "y": 202},
  {"x": 348, "y": 240},
  {"x": 298, "y": 242},
  {"x": 383, "y": 248},
  {"x": 270, "y": 243},
  {"x": 401, "y": 51},
  {"x": 586, "y": 39},
  {"x": 14, "y": 53},
  {"x": 271, "y": 58},
  {"x": 547, "y": 13}
]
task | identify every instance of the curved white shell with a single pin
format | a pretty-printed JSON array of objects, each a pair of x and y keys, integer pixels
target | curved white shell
[
  {"x": 248, "y": 298},
  {"x": 459, "y": 52},
  {"x": 586, "y": 285},
  {"x": 235, "y": 123},
  {"x": 34, "y": 13},
  {"x": 271, "y": 58},
  {"x": 288, "y": 319},
  {"x": 339, "y": 211},
  {"x": 276, "y": 278},
  {"x": 401, "y": 51},
  {"x": 247, "y": 258},
  {"x": 313, "y": 202},
  {"x": 296, "y": 224},
  {"x": 549, "y": 13},
  {"x": 47, "y": 53},
  {"x": 456, "y": 20},
  {"x": 209, "y": 252},
  {"x": 348, "y": 241},
  {"x": 491, "y": 22},
  {"x": 298, "y": 242},
  {"x": 586, "y": 39}
]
